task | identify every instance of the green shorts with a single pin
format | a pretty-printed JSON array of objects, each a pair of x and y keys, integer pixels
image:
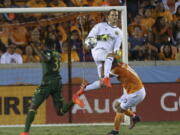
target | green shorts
[{"x": 52, "y": 87}]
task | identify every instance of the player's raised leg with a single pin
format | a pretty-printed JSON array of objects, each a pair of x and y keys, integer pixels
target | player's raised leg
[
  {"x": 58, "y": 101},
  {"x": 78, "y": 101}
]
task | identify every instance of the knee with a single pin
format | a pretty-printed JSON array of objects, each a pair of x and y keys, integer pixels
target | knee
[
  {"x": 33, "y": 107},
  {"x": 118, "y": 107}
]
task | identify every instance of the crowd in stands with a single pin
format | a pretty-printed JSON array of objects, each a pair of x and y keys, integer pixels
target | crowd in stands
[{"x": 153, "y": 29}]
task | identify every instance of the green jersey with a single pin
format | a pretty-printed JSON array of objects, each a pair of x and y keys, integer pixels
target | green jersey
[{"x": 51, "y": 67}]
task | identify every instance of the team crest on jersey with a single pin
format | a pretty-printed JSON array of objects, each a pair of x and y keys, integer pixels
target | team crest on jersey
[{"x": 116, "y": 32}]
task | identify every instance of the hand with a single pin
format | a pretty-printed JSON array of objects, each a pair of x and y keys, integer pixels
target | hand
[
  {"x": 35, "y": 35},
  {"x": 111, "y": 55}
]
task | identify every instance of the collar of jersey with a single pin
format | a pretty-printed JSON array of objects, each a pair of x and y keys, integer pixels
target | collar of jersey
[{"x": 111, "y": 25}]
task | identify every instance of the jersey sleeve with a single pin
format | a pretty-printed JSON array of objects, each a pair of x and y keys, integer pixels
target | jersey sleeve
[
  {"x": 118, "y": 40},
  {"x": 94, "y": 31}
]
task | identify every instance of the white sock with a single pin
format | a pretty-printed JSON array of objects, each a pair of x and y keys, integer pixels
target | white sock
[
  {"x": 107, "y": 66},
  {"x": 94, "y": 85}
]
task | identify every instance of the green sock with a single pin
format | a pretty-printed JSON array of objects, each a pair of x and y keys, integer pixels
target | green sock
[
  {"x": 29, "y": 120},
  {"x": 67, "y": 107}
]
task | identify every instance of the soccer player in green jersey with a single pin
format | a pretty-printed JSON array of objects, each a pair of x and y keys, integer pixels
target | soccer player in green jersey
[{"x": 51, "y": 84}]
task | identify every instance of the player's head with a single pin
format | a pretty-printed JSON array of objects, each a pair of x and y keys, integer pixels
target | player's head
[
  {"x": 113, "y": 16},
  {"x": 117, "y": 59}
]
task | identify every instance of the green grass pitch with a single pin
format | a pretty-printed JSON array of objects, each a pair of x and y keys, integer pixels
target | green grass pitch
[{"x": 143, "y": 128}]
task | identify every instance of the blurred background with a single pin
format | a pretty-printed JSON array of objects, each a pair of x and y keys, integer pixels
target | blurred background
[{"x": 153, "y": 51}]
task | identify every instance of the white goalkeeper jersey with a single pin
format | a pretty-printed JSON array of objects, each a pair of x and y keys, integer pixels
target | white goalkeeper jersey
[{"x": 109, "y": 38}]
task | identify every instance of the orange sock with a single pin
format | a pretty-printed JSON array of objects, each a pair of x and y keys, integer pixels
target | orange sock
[
  {"x": 117, "y": 121},
  {"x": 129, "y": 113}
]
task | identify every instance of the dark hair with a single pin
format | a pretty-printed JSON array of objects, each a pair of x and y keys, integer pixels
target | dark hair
[
  {"x": 111, "y": 11},
  {"x": 169, "y": 46},
  {"x": 74, "y": 31},
  {"x": 157, "y": 25}
]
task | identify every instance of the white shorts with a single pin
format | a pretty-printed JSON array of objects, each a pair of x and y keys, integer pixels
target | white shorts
[
  {"x": 130, "y": 100},
  {"x": 99, "y": 56}
]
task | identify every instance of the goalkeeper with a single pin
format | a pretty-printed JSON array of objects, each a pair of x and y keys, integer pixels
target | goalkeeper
[
  {"x": 109, "y": 38},
  {"x": 51, "y": 82}
]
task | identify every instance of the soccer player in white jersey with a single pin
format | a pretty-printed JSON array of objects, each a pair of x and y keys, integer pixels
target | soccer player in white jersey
[{"x": 109, "y": 37}]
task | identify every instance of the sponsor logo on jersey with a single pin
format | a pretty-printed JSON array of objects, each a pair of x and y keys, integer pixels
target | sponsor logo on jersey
[{"x": 116, "y": 33}]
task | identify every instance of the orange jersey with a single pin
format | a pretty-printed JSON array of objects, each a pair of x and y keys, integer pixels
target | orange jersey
[{"x": 129, "y": 79}]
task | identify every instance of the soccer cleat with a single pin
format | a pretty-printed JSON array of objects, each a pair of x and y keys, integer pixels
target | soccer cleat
[
  {"x": 113, "y": 132},
  {"x": 24, "y": 133},
  {"x": 78, "y": 101},
  {"x": 106, "y": 82},
  {"x": 81, "y": 90},
  {"x": 134, "y": 120}
]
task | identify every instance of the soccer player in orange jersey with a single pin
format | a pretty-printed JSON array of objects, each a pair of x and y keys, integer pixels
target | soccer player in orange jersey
[{"x": 133, "y": 95}]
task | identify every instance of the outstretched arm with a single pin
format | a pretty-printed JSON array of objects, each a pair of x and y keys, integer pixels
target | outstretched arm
[
  {"x": 35, "y": 43},
  {"x": 40, "y": 53}
]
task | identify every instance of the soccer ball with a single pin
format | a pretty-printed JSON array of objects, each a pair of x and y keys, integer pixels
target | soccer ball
[{"x": 90, "y": 42}]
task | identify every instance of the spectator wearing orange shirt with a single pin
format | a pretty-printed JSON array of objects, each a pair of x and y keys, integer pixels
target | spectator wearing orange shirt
[
  {"x": 29, "y": 57},
  {"x": 160, "y": 11},
  {"x": 19, "y": 36},
  {"x": 74, "y": 25},
  {"x": 97, "y": 2},
  {"x": 64, "y": 54},
  {"x": 79, "y": 3},
  {"x": 162, "y": 31},
  {"x": 147, "y": 19},
  {"x": 36, "y": 3},
  {"x": 136, "y": 22},
  {"x": 61, "y": 29},
  {"x": 56, "y": 3},
  {"x": 105, "y": 3}
]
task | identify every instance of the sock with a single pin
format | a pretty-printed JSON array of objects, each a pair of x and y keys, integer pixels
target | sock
[
  {"x": 117, "y": 121},
  {"x": 129, "y": 113},
  {"x": 94, "y": 85},
  {"x": 67, "y": 107},
  {"x": 29, "y": 119},
  {"x": 107, "y": 66}
]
